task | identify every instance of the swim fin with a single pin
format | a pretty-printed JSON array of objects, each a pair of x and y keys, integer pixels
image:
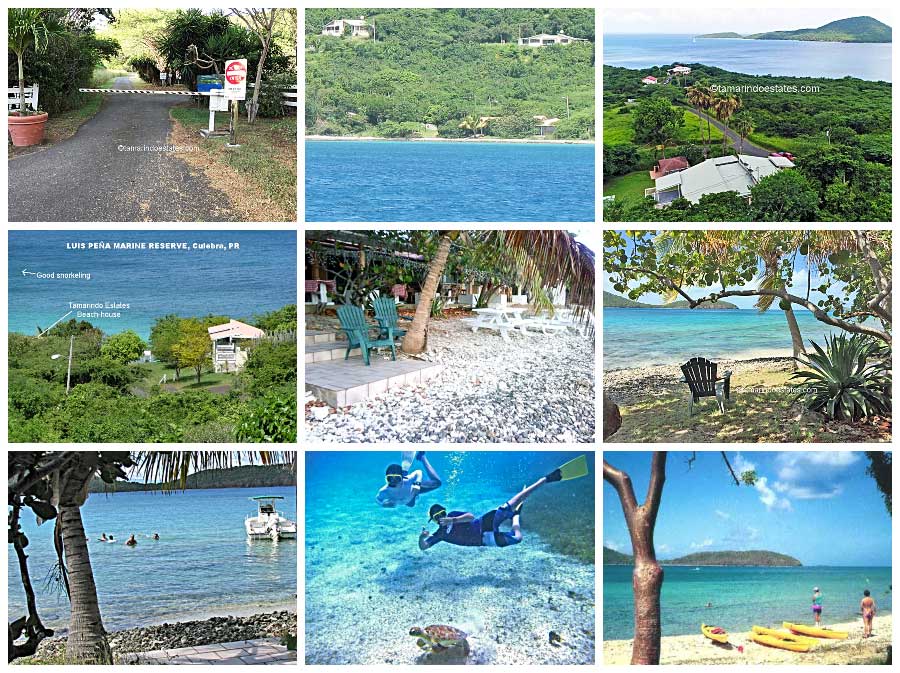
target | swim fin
[
  {"x": 577, "y": 467},
  {"x": 406, "y": 459}
]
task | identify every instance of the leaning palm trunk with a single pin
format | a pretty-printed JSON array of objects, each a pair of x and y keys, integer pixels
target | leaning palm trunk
[
  {"x": 414, "y": 341},
  {"x": 796, "y": 337},
  {"x": 87, "y": 638}
]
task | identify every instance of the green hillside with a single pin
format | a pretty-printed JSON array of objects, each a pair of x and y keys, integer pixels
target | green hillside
[
  {"x": 613, "y": 558},
  {"x": 735, "y": 558},
  {"x": 440, "y": 66},
  {"x": 712, "y": 558},
  {"x": 856, "y": 29},
  {"x": 611, "y": 300},
  {"x": 244, "y": 476}
]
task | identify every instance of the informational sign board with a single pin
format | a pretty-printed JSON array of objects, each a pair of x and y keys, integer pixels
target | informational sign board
[{"x": 236, "y": 79}]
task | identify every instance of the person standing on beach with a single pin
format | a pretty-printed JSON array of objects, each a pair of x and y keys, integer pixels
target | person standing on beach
[
  {"x": 867, "y": 607},
  {"x": 403, "y": 488},
  {"x": 817, "y": 605}
]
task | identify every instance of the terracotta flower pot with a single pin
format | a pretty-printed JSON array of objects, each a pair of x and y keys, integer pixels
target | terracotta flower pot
[{"x": 27, "y": 130}]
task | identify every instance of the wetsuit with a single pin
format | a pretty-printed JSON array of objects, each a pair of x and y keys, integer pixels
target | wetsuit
[{"x": 481, "y": 532}]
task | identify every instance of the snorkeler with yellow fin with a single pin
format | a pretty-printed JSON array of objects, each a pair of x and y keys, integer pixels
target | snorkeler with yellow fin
[
  {"x": 403, "y": 487},
  {"x": 464, "y": 529}
]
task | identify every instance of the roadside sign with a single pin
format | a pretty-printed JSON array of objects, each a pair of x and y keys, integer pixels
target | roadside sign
[{"x": 236, "y": 79}]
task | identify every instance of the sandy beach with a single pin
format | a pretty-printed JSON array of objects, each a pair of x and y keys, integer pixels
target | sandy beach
[
  {"x": 696, "y": 649},
  {"x": 635, "y": 384},
  {"x": 533, "y": 141}
]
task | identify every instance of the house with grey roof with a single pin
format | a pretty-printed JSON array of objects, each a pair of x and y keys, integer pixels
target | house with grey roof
[
  {"x": 723, "y": 174},
  {"x": 545, "y": 39}
]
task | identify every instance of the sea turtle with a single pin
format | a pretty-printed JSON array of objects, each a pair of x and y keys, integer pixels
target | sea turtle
[{"x": 439, "y": 637}]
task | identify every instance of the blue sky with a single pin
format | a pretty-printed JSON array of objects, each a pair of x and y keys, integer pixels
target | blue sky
[
  {"x": 817, "y": 506},
  {"x": 679, "y": 19},
  {"x": 798, "y": 287}
]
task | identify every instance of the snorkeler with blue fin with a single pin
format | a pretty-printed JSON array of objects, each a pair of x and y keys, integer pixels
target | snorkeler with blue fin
[
  {"x": 403, "y": 487},
  {"x": 464, "y": 529}
]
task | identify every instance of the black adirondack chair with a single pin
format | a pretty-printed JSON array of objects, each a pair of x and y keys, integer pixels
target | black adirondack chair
[
  {"x": 353, "y": 322},
  {"x": 700, "y": 376},
  {"x": 387, "y": 316}
]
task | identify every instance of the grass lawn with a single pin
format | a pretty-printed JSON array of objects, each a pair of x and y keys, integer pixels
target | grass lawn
[
  {"x": 630, "y": 186},
  {"x": 265, "y": 163},
  {"x": 755, "y": 413},
  {"x": 155, "y": 371},
  {"x": 618, "y": 129}
]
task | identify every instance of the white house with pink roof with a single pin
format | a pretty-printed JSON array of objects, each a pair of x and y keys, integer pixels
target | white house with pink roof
[{"x": 228, "y": 356}]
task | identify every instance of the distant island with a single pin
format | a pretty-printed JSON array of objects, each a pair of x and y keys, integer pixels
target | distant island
[
  {"x": 856, "y": 29},
  {"x": 611, "y": 300},
  {"x": 712, "y": 558},
  {"x": 244, "y": 476}
]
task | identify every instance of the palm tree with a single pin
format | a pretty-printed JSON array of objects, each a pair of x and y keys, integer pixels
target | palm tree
[
  {"x": 742, "y": 123},
  {"x": 708, "y": 102},
  {"x": 545, "y": 259},
  {"x": 471, "y": 123},
  {"x": 29, "y": 28},
  {"x": 87, "y": 642},
  {"x": 696, "y": 96},
  {"x": 725, "y": 108}
]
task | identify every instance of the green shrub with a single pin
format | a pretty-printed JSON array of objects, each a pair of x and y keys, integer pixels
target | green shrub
[
  {"x": 848, "y": 381},
  {"x": 272, "y": 419},
  {"x": 271, "y": 100},
  {"x": 271, "y": 364},
  {"x": 451, "y": 130},
  {"x": 512, "y": 126},
  {"x": 123, "y": 347}
]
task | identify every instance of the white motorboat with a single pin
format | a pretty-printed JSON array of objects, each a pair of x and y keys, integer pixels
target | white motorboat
[{"x": 269, "y": 524}]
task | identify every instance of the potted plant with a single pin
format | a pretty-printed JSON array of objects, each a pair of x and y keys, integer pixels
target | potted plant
[{"x": 29, "y": 28}]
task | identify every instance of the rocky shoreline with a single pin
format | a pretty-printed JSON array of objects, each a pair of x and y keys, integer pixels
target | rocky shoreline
[
  {"x": 188, "y": 634},
  {"x": 626, "y": 386}
]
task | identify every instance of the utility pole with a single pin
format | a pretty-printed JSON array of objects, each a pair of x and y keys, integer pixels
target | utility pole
[
  {"x": 567, "y": 107},
  {"x": 374, "y": 39},
  {"x": 69, "y": 372}
]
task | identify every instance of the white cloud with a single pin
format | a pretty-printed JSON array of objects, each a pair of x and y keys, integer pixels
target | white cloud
[
  {"x": 813, "y": 475},
  {"x": 742, "y": 465},
  {"x": 702, "y": 545},
  {"x": 662, "y": 548},
  {"x": 722, "y": 515},
  {"x": 615, "y": 546},
  {"x": 768, "y": 497}
]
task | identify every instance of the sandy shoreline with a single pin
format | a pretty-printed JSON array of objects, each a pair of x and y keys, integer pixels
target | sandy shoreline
[
  {"x": 696, "y": 649},
  {"x": 624, "y": 386},
  {"x": 456, "y": 140}
]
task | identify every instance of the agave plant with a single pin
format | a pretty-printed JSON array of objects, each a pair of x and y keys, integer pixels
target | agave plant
[{"x": 846, "y": 382}]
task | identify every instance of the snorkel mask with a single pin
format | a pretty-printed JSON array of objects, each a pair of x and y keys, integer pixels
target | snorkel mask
[
  {"x": 437, "y": 512},
  {"x": 393, "y": 475}
]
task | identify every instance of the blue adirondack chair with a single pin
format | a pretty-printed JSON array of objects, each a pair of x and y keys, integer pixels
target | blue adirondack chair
[
  {"x": 387, "y": 316},
  {"x": 700, "y": 376},
  {"x": 353, "y": 322}
]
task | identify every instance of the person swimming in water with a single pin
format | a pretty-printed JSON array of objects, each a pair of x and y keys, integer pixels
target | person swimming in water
[
  {"x": 867, "y": 608},
  {"x": 102, "y": 537},
  {"x": 404, "y": 489},
  {"x": 467, "y": 530},
  {"x": 156, "y": 536},
  {"x": 131, "y": 541}
]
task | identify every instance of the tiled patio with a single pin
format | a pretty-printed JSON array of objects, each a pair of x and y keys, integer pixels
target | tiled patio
[
  {"x": 340, "y": 382},
  {"x": 268, "y": 651}
]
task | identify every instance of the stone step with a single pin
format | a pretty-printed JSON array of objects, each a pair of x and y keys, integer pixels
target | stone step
[
  {"x": 330, "y": 350},
  {"x": 319, "y": 337},
  {"x": 341, "y": 383}
]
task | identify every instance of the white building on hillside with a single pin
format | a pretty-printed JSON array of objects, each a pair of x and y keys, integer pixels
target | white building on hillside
[
  {"x": 544, "y": 39},
  {"x": 355, "y": 27}
]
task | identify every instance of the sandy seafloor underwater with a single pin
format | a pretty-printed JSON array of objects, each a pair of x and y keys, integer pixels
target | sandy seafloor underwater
[{"x": 367, "y": 582}]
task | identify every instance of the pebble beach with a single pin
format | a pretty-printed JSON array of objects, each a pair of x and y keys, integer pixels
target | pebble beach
[
  {"x": 696, "y": 649},
  {"x": 534, "y": 388}
]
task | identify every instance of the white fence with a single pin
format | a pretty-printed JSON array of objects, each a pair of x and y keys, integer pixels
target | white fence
[
  {"x": 288, "y": 93},
  {"x": 31, "y": 97}
]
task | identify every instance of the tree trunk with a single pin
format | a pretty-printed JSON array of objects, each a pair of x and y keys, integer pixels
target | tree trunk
[
  {"x": 87, "y": 638},
  {"x": 646, "y": 582},
  {"x": 612, "y": 417},
  {"x": 796, "y": 337},
  {"x": 259, "y": 72},
  {"x": 21, "y": 58},
  {"x": 414, "y": 341}
]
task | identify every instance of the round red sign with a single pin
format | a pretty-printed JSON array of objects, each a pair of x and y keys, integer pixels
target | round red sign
[{"x": 235, "y": 73}]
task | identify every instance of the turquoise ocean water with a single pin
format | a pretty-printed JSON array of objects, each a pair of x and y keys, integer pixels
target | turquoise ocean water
[
  {"x": 261, "y": 276},
  {"x": 743, "y": 597},
  {"x": 792, "y": 58},
  {"x": 634, "y": 337},
  {"x": 202, "y": 561},
  {"x": 367, "y": 582},
  {"x": 398, "y": 181}
]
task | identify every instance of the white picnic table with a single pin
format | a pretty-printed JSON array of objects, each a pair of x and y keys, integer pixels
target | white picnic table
[{"x": 502, "y": 319}]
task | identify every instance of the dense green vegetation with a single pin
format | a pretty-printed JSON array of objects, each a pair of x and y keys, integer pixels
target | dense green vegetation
[
  {"x": 735, "y": 558},
  {"x": 112, "y": 400},
  {"x": 712, "y": 558},
  {"x": 856, "y": 29},
  {"x": 243, "y": 476},
  {"x": 839, "y": 132},
  {"x": 611, "y": 300},
  {"x": 440, "y": 66}
]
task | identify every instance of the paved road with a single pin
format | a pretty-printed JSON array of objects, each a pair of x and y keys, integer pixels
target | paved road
[
  {"x": 87, "y": 178},
  {"x": 749, "y": 148}
]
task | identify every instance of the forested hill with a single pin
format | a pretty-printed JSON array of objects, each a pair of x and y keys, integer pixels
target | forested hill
[
  {"x": 856, "y": 29},
  {"x": 442, "y": 66},
  {"x": 611, "y": 300},
  {"x": 245, "y": 476},
  {"x": 712, "y": 558}
]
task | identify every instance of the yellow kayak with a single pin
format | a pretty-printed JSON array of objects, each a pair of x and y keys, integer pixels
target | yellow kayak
[
  {"x": 814, "y": 631},
  {"x": 783, "y": 635},
  {"x": 709, "y": 632},
  {"x": 774, "y": 641}
]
